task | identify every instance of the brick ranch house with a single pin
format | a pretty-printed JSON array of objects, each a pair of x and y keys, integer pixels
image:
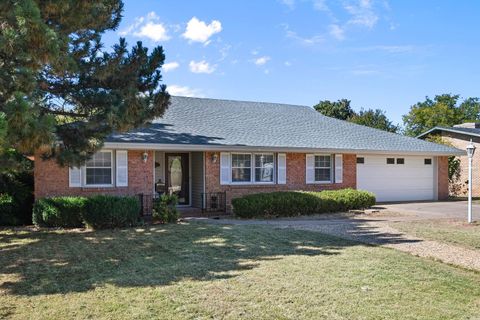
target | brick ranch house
[
  {"x": 203, "y": 148},
  {"x": 459, "y": 136}
]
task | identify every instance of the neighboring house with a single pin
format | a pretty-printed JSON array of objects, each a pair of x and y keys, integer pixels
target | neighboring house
[
  {"x": 206, "y": 146},
  {"x": 459, "y": 136}
]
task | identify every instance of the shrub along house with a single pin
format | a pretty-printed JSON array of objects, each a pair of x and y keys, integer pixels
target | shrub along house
[{"x": 205, "y": 148}]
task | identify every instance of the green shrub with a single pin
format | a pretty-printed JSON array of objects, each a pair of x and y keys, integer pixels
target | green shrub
[
  {"x": 18, "y": 186},
  {"x": 165, "y": 208},
  {"x": 103, "y": 212},
  {"x": 65, "y": 212},
  {"x": 296, "y": 203},
  {"x": 7, "y": 211}
]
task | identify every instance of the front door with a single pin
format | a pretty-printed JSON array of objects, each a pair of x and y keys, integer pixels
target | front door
[{"x": 177, "y": 176}]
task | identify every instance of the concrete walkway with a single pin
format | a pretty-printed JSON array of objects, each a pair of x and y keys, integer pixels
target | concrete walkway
[{"x": 372, "y": 230}]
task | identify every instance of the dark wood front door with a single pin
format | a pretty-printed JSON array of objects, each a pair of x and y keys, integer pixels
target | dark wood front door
[{"x": 177, "y": 176}]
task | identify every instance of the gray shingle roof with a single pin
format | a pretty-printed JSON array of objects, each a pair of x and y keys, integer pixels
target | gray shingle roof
[
  {"x": 216, "y": 123},
  {"x": 475, "y": 132}
]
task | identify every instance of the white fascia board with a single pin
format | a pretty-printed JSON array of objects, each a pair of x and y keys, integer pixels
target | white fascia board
[
  {"x": 182, "y": 147},
  {"x": 451, "y": 130}
]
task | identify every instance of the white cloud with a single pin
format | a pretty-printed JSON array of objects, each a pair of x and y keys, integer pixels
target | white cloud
[
  {"x": 261, "y": 60},
  {"x": 199, "y": 31},
  {"x": 176, "y": 90},
  {"x": 337, "y": 32},
  {"x": 288, "y": 3},
  {"x": 287, "y": 64},
  {"x": 201, "y": 67},
  {"x": 364, "y": 72},
  {"x": 362, "y": 13},
  {"x": 170, "y": 66},
  {"x": 224, "y": 52},
  {"x": 149, "y": 27},
  {"x": 308, "y": 41},
  {"x": 389, "y": 49},
  {"x": 320, "y": 5}
]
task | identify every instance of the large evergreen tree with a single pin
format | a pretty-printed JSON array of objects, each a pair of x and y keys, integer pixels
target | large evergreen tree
[{"x": 60, "y": 89}]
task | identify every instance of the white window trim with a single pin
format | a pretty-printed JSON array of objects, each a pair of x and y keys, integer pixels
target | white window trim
[
  {"x": 112, "y": 177},
  {"x": 252, "y": 169},
  {"x": 331, "y": 168}
]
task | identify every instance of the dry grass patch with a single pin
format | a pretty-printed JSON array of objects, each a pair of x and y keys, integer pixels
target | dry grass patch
[
  {"x": 454, "y": 232},
  {"x": 200, "y": 271}
]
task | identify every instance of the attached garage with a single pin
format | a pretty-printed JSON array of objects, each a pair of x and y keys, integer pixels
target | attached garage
[{"x": 398, "y": 178}]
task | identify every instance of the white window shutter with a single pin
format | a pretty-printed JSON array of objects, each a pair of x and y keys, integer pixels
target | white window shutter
[
  {"x": 74, "y": 177},
  {"x": 122, "y": 168},
  {"x": 338, "y": 168},
  {"x": 225, "y": 171},
  {"x": 310, "y": 174},
  {"x": 281, "y": 168}
]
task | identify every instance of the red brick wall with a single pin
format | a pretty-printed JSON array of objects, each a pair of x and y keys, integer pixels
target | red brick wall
[
  {"x": 52, "y": 180},
  {"x": 296, "y": 172},
  {"x": 442, "y": 178},
  {"x": 460, "y": 187}
]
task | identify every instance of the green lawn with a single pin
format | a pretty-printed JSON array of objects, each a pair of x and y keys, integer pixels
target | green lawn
[
  {"x": 451, "y": 231},
  {"x": 201, "y": 271}
]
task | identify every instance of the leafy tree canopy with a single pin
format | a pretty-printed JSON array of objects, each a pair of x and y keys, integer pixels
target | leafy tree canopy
[
  {"x": 342, "y": 110},
  {"x": 336, "y": 109},
  {"x": 60, "y": 90},
  {"x": 375, "y": 119},
  {"x": 443, "y": 110}
]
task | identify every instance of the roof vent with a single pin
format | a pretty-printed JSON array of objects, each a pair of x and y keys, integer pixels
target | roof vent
[{"x": 472, "y": 125}]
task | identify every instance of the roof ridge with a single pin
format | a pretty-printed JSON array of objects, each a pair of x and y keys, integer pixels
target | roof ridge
[{"x": 245, "y": 101}]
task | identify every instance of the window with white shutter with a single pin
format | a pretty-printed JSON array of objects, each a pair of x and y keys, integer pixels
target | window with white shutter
[
  {"x": 310, "y": 169},
  {"x": 282, "y": 168},
  {"x": 338, "y": 168},
  {"x": 99, "y": 169},
  {"x": 225, "y": 170},
  {"x": 75, "y": 177},
  {"x": 122, "y": 168}
]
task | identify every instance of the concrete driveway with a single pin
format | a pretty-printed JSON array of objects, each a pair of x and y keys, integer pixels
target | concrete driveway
[
  {"x": 431, "y": 210},
  {"x": 377, "y": 228}
]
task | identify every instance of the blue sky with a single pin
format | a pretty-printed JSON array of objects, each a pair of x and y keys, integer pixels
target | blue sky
[{"x": 378, "y": 53}]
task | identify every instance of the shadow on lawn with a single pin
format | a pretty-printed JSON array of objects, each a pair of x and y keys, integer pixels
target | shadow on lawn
[{"x": 49, "y": 262}]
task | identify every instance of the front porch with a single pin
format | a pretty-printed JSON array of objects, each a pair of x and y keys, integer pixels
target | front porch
[{"x": 182, "y": 173}]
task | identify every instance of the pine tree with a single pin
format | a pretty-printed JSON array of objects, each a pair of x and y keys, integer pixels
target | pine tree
[{"x": 60, "y": 89}]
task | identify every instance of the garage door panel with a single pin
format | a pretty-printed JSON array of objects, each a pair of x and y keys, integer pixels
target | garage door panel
[{"x": 410, "y": 181}]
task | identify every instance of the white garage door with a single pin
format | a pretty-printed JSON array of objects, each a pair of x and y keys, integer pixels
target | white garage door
[{"x": 397, "y": 178}]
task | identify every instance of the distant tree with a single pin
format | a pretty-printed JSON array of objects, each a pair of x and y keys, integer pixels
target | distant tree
[
  {"x": 336, "y": 109},
  {"x": 60, "y": 90},
  {"x": 374, "y": 119},
  {"x": 443, "y": 110},
  {"x": 470, "y": 109},
  {"x": 342, "y": 110}
]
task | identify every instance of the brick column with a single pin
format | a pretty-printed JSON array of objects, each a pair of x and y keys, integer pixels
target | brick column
[{"x": 442, "y": 177}]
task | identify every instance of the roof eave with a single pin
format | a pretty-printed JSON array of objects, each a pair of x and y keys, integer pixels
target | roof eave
[
  {"x": 426, "y": 133},
  {"x": 193, "y": 147}
]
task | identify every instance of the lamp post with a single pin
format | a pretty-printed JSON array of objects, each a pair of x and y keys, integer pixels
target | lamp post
[{"x": 470, "y": 152}]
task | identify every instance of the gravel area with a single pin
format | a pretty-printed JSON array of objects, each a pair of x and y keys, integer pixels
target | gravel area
[{"x": 372, "y": 230}]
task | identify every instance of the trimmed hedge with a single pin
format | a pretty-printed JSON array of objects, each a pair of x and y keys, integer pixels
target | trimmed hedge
[
  {"x": 104, "y": 212},
  {"x": 98, "y": 212},
  {"x": 65, "y": 212},
  {"x": 297, "y": 203}
]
